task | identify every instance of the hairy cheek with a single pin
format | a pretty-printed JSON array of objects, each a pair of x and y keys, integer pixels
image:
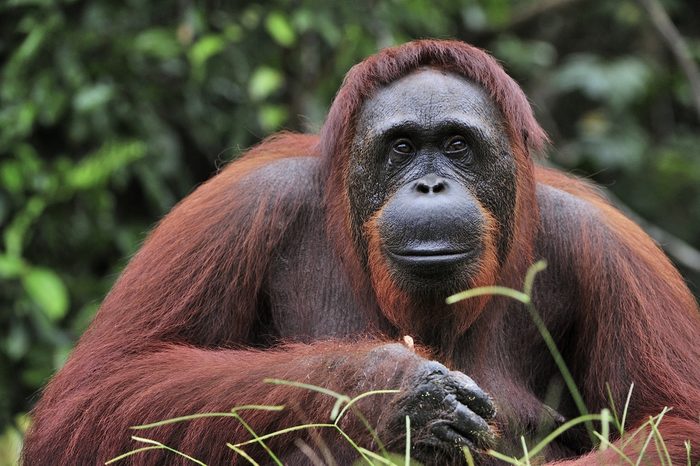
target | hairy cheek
[
  {"x": 393, "y": 301},
  {"x": 364, "y": 192},
  {"x": 498, "y": 196},
  {"x": 487, "y": 265},
  {"x": 483, "y": 272}
]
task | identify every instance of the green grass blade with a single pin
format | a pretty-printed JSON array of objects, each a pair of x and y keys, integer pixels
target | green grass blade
[
  {"x": 661, "y": 446},
  {"x": 614, "y": 448},
  {"x": 314, "y": 388},
  {"x": 605, "y": 429},
  {"x": 257, "y": 437},
  {"x": 532, "y": 272},
  {"x": 526, "y": 455},
  {"x": 257, "y": 408},
  {"x": 489, "y": 290},
  {"x": 651, "y": 434},
  {"x": 626, "y": 408},
  {"x": 561, "y": 429},
  {"x": 371, "y": 431},
  {"x": 242, "y": 452},
  {"x": 377, "y": 457},
  {"x": 658, "y": 447},
  {"x": 359, "y": 397},
  {"x": 284, "y": 431},
  {"x": 170, "y": 449},
  {"x": 205, "y": 415},
  {"x": 469, "y": 458},
  {"x": 502, "y": 457},
  {"x": 618, "y": 425},
  {"x": 407, "y": 455},
  {"x": 561, "y": 365},
  {"x": 354, "y": 445},
  {"x": 174, "y": 420},
  {"x": 132, "y": 452}
]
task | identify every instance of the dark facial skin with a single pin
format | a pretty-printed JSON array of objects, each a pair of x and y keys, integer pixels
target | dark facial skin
[{"x": 431, "y": 155}]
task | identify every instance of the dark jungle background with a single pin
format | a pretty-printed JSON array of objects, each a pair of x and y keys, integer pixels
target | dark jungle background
[{"x": 110, "y": 112}]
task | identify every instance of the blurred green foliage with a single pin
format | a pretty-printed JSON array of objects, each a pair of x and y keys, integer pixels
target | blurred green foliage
[{"x": 110, "y": 112}]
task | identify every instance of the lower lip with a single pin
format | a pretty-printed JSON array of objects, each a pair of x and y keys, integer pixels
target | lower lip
[{"x": 430, "y": 260}]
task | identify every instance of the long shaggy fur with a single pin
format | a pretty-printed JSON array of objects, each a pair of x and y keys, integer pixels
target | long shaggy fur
[{"x": 189, "y": 328}]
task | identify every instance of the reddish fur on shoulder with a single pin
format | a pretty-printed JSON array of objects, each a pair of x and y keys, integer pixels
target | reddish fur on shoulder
[{"x": 634, "y": 305}]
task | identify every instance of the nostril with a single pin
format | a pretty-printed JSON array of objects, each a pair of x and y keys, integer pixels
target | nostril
[
  {"x": 423, "y": 188},
  {"x": 429, "y": 186}
]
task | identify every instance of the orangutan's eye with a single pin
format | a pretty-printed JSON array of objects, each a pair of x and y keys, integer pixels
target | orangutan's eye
[
  {"x": 456, "y": 144},
  {"x": 403, "y": 147}
]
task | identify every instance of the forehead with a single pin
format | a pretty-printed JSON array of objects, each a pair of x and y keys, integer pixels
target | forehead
[{"x": 427, "y": 97}]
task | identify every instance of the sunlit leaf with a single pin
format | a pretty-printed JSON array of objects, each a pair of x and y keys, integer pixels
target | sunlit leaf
[
  {"x": 93, "y": 97},
  {"x": 97, "y": 168},
  {"x": 27, "y": 49},
  {"x": 278, "y": 26},
  {"x": 303, "y": 19},
  {"x": 205, "y": 48},
  {"x": 25, "y": 118},
  {"x": 265, "y": 81},
  {"x": 47, "y": 290},
  {"x": 10, "y": 266},
  {"x": 159, "y": 42},
  {"x": 11, "y": 177},
  {"x": 14, "y": 235},
  {"x": 16, "y": 342},
  {"x": 233, "y": 33},
  {"x": 10, "y": 445},
  {"x": 271, "y": 117}
]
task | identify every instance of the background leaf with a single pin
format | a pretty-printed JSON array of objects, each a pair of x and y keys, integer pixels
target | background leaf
[{"x": 47, "y": 289}]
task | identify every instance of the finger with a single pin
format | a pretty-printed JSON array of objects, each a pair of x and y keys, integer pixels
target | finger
[
  {"x": 444, "y": 432},
  {"x": 472, "y": 426},
  {"x": 470, "y": 394}
]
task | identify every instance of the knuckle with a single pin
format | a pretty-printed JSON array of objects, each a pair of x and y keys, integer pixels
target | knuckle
[{"x": 434, "y": 368}]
